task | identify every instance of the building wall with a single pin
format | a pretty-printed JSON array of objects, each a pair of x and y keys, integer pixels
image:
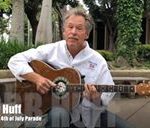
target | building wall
[{"x": 98, "y": 38}]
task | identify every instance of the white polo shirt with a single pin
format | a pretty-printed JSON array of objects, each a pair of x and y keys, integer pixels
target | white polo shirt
[{"x": 89, "y": 62}]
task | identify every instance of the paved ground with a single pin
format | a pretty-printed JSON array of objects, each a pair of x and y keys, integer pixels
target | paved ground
[{"x": 134, "y": 110}]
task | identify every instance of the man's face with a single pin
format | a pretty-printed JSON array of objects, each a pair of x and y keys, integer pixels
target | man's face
[{"x": 75, "y": 32}]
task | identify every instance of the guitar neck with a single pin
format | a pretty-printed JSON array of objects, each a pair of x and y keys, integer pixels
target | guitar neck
[
  {"x": 105, "y": 88},
  {"x": 116, "y": 88}
]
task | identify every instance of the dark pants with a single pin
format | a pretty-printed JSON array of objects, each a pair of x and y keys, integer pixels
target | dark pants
[{"x": 60, "y": 118}]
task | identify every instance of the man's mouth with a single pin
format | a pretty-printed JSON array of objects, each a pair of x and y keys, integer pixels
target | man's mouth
[{"x": 73, "y": 38}]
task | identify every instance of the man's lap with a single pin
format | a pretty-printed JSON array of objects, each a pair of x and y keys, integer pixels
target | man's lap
[{"x": 58, "y": 117}]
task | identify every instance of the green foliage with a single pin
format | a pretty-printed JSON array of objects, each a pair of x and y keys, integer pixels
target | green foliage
[
  {"x": 3, "y": 26},
  {"x": 147, "y": 5},
  {"x": 143, "y": 53},
  {"x": 5, "y": 5},
  {"x": 62, "y": 3},
  {"x": 129, "y": 18},
  {"x": 9, "y": 49},
  {"x": 106, "y": 54}
]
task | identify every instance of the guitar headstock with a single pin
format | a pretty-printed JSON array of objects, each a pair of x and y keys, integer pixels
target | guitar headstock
[{"x": 143, "y": 89}]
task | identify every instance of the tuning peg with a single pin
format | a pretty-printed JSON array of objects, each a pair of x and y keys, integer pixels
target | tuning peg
[{"x": 143, "y": 81}]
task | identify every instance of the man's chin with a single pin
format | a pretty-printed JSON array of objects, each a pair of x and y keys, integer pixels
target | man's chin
[
  {"x": 72, "y": 41},
  {"x": 72, "y": 44}
]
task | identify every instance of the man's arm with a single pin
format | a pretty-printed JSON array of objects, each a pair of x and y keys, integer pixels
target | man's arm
[
  {"x": 43, "y": 84},
  {"x": 19, "y": 66}
]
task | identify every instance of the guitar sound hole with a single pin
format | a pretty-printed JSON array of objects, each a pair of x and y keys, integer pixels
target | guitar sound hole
[{"x": 60, "y": 89}]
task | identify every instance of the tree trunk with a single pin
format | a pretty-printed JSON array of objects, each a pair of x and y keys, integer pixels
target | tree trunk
[
  {"x": 32, "y": 10},
  {"x": 44, "y": 29},
  {"x": 17, "y": 22}
]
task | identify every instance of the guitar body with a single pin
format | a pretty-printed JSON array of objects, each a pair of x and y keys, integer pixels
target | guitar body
[
  {"x": 34, "y": 103},
  {"x": 67, "y": 92}
]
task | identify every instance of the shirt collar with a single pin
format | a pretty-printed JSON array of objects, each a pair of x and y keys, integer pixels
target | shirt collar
[{"x": 69, "y": 54}]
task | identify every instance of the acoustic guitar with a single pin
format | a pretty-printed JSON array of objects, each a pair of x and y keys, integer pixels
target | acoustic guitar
[{"x": 66, "y": 94}]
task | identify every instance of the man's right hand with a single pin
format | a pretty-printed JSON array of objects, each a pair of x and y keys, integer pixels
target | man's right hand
[{"x": 43, "y": 85}]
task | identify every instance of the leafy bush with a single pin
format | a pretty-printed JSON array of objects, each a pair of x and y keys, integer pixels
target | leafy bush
[
  {"x": 129, "y": 17},
  {"x": 143, "y": 52},
  {"x": 106, "y": 54},
  {"x": 9, "y": 49}
]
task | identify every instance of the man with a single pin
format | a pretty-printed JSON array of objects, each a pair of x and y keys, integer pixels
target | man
[{"x": 74, "y": 52}]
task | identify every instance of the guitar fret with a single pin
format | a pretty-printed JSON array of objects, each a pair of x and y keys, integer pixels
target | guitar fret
[
  {"x": 115, "y": 88},
  {"x": 126, "y": 88},
  {"x": 79, "y": 88},
  {"x": 104, "y": 88},
  {"x": 110, "y": 88},
  {"x": 75, "y": 88},
  {"x": 98, "y": 88},
  {"x": 120, "y": 88}
]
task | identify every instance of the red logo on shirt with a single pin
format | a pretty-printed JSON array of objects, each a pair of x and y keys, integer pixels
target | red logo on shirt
[{"x": 92, "y": 65}]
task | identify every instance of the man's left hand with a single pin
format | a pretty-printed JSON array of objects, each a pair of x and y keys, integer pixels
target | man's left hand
[{"x": 92, "y": 94}]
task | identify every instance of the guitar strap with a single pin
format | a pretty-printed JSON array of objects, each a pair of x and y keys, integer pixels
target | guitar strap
[
  {"x": 82, "y": 82},
  {"x": 82, "y": 79},
  {"x": 81, "y": 98},
  {"x": 70, "y": 101},
  {"x": 70, "y": 94}
]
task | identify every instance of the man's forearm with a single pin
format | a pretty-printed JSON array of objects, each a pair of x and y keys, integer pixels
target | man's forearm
[{"x": 32, "y": 77}]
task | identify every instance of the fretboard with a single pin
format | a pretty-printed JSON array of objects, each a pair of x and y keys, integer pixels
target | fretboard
[{"x": 104, "y": 88}]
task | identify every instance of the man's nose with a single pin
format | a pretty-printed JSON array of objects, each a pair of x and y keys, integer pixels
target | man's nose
[{"x": 74, "y": 30}]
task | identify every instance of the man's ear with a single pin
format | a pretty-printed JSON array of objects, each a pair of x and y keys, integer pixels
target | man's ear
[{"x": 87, "y": 36}]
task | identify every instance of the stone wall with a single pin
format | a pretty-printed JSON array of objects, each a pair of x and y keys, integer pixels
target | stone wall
[
  {"x": 130, "y": 73},
  {"x": 115, "y": 73}
]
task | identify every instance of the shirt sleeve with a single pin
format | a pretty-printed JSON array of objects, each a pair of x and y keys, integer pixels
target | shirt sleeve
[
  {"x": 105, "y": 78},
  {"x": 18, "y": 64}
]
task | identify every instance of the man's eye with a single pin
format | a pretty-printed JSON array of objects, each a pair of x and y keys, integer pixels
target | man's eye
[
  {"x": 79, "y": 28},
  {"x": 70, "y": 26}
]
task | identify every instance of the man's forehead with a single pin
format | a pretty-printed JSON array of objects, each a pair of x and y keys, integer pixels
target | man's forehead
[{"x": 76, "y": 19}]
